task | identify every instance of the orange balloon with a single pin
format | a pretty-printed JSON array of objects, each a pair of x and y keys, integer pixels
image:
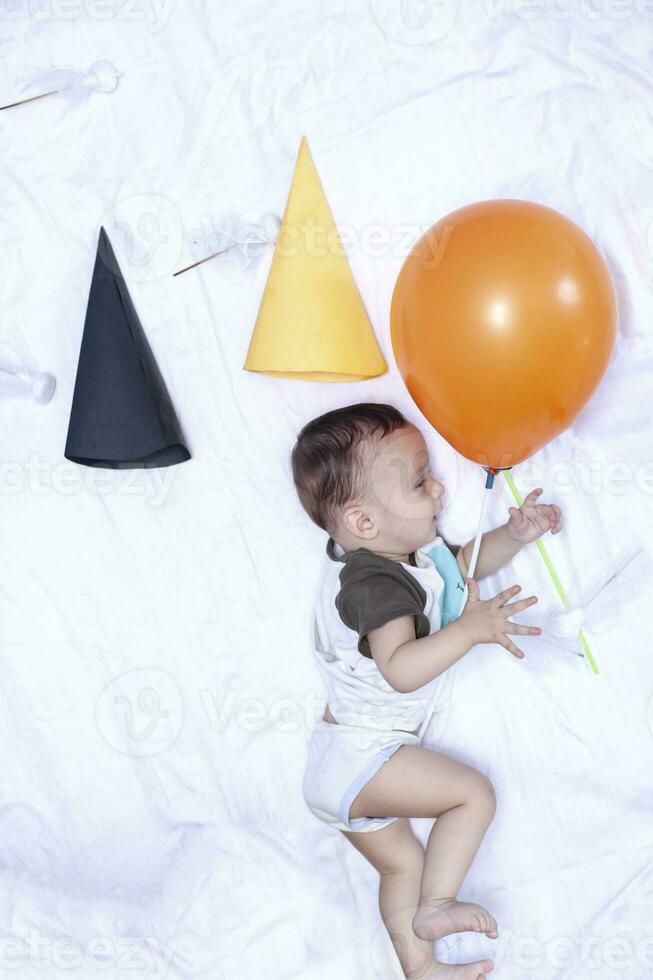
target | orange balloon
[{"x": 503, "y": 321}]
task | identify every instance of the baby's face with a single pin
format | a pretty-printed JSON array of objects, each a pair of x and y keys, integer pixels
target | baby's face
[{"x": 404, "y": 499}]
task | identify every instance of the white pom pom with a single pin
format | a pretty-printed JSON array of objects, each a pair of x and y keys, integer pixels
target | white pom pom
[
  {"x": 564, "y": 622},
  {"x": 18, "y": 381},
  {"x": 103, "y": 76},
  {"x": 43, "y": 385},
  {"x": 75, "y": 85},
  {"x": 270, "y": 224},
  {"x": 236, "y": 245}
]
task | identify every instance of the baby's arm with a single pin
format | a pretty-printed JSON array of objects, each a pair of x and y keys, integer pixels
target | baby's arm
[
  {"x": 497, "y": 548},
  {"x": 407, "y": 663}
]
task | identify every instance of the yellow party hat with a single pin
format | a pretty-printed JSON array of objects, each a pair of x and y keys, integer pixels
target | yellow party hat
[{"x": 312, "y": 324}]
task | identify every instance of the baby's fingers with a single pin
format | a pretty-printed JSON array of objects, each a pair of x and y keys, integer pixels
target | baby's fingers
[
  {"x": 511, "y": 648},
  {"x": 519, "y": 630},
  {"x": 510, "y": 608},
  {"x": 502, "y": 597}
]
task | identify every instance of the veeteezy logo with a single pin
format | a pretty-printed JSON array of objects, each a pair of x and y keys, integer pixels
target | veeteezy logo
[
  {"x": 153, "y": 14},
  {"x": 428, "y": 21}
]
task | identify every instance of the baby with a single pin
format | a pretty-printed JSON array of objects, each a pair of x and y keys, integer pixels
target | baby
[{"x": 387, "y": 625}]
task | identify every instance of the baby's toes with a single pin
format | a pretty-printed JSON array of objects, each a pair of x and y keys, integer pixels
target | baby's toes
[
  {"x": 492, "y": 930},
  {"x": 481, "y": 923}
]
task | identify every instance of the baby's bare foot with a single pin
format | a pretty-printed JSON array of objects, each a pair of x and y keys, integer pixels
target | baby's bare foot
[
  {"x": 445, "y": 971},
  {"x": 440, "y": 917}
]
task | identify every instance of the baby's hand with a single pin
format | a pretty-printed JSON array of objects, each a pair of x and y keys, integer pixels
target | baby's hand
[
  {"x": 531, "y": 520},
  {"x": 488, "y": 620}
]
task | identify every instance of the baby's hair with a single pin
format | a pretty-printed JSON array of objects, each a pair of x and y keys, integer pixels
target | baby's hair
[{"x": 328, "y": 464}]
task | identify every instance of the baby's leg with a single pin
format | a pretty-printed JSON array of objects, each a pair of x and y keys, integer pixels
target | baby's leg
[
  {"x": 419, "y": 782},
  {"x": 398, "y": 856}
]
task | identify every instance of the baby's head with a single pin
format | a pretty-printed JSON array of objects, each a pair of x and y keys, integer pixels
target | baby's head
[{"x": 362, "y": 474}]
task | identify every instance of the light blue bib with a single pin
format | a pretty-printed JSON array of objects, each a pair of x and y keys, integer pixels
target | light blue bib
[{"x": 451, "y": 597}]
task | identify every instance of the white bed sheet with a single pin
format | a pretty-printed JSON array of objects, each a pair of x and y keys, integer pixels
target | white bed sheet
[{"x": 156, "y": 690}]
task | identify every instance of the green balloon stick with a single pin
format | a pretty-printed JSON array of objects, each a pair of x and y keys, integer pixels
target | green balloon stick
[{"x": 552, "y": 573}]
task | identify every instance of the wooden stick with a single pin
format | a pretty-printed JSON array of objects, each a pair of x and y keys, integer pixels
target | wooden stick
[
  {"x": 32, "y": 98},
  {"x": 195, "y": 264}
]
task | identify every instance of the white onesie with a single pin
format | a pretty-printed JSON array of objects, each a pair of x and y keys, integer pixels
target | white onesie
[
  {"x": 367, "y": 590},
  {"x": 358, "y": 591}
]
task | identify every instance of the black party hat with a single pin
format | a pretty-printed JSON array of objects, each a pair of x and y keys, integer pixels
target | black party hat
[{"x": 121, "y": 416}]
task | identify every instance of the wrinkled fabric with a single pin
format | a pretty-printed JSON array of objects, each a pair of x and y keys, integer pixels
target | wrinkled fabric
[{"x": 157, "y": 692}]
